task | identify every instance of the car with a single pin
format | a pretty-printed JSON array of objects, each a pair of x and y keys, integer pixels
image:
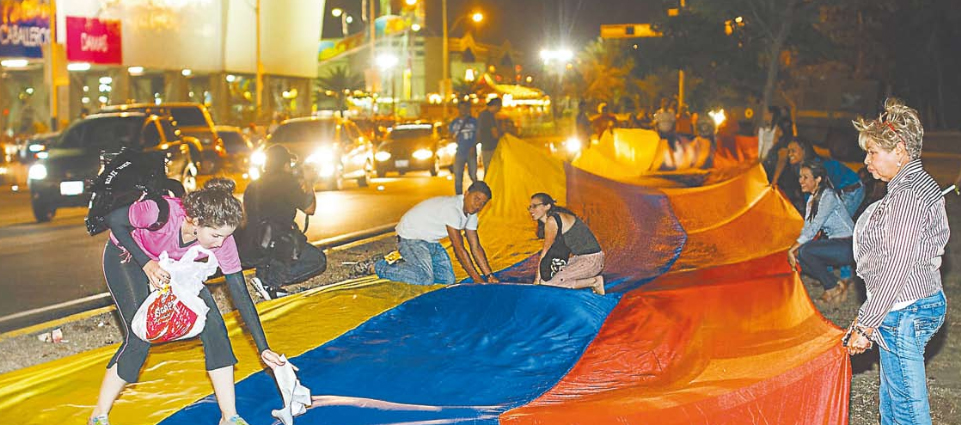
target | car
[
  {"x": 331, "y": 149},
  {"x": 63, "y": 178},
  {"x": 414, "y": 147},
  {"x": 193, "y": 120},
  {"x": 237, "y": 146},
  {"x": 35, "y": 147}
]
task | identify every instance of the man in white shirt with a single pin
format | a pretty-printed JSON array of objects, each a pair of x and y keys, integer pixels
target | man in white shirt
[{"x": 424, "y": 260}]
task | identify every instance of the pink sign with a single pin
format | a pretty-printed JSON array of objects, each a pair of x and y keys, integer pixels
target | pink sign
[{"x": 94, "y": 40}]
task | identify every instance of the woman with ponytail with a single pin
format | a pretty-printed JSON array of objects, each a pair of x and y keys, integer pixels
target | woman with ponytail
[
  {"x": 824, "y": 213},
  {"x": 572, "y": 257},
  {"x": 208, "y": 218}
]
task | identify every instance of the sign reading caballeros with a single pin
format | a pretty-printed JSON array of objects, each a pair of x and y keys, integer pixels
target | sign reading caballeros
[{"x": 24, "y": 27}]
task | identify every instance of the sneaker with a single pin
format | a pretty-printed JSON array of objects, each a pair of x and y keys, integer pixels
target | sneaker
[
  {"x": 99, "y": 420},
  {"x": 261, "y": 289},
  {"x": 235, "y": 420},
  {"x": 361, "y": 268},
  {"x": 275, "y": 293}
]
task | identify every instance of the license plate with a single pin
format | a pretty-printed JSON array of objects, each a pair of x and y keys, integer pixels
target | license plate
[
  {"x": 71, "y": 188},
  {"x": 402, "y": 163}
]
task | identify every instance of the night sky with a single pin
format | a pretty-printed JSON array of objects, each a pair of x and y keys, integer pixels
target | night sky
[{"x": 530, "y": 25}]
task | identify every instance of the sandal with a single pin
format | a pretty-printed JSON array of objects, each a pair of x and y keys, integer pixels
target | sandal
[{"x": 598, "y": 286}]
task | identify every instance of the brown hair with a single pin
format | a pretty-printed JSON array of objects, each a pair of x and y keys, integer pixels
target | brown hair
[
  {"x": 215, "y": 205},
  {"x": 897, "y": 124}
]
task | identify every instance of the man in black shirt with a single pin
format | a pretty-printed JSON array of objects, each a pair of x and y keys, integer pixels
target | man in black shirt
[
  {"x": 272, "y": 242},
  {"x": 488, "y": 132}
]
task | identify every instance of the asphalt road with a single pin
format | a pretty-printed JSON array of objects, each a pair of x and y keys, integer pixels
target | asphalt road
[{"x": 49, "y": 263}]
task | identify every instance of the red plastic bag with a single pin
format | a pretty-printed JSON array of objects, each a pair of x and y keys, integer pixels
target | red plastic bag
[{"x": 168, "y": 319}]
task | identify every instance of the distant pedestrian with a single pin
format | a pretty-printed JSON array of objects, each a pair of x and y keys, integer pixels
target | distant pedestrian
[
  {"x": 684, "y": 123},
  {"x": 898, "y": 245},
  {"x": 583, "y": 124},
  {"x": 604, "y": 121},
  {"x": 665, "y": 120},
  {"x": 489, "y": 132},
  {"x": 424, "y": 261},
  {"x": 464, "y": 131}
]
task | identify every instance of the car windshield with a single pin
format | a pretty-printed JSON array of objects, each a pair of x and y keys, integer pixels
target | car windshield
[
  {"x": 188, "y": 116},
  {"x": 109, "y": 133},
  {"x": 407, "y": 133},
  {"x": 304, "y": 131}
]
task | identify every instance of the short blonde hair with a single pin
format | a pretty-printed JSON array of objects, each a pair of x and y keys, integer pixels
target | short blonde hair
[{"x": 898, "y": 123}]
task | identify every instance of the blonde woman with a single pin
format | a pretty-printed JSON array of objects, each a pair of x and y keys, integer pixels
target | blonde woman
[{"x": 898, "y": 243}]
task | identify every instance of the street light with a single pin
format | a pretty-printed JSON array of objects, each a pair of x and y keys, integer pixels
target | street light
[
  {"x": 477, "y": 17},
  {"x": 344, "y": 19}
]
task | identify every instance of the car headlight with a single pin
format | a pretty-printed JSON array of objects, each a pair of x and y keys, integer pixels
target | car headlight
[
  {"x": 37, "y": 172},
  {"x": 258, "y": 158},
  {"x": 36, "y": 148},
  {"x": 382, "y": 156},
  {"x": 422, "y": 154},
  {"x": 573, "y": 145},
  {"x": 321, "y": 156},
  {"x": 254, "y": 173}
]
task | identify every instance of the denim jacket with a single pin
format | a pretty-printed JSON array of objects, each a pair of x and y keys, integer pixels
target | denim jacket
[{"x": 831, "y": 216}]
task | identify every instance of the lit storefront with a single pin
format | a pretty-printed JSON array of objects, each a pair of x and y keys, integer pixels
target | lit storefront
[{"x": 156, "y": 51}]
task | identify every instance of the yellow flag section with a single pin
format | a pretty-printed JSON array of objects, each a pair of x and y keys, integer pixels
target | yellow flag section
[
  {"x": 519, "y": 169},
  {"x": 65, "y": 391}
]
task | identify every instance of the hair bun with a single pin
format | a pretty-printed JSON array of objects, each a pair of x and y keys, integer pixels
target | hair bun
[{"x": 220, "y": 184}]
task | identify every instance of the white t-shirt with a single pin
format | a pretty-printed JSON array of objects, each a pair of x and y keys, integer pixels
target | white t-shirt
[
  {"x": 765, "y": 140},
  {"x": 428, "y": 220}
]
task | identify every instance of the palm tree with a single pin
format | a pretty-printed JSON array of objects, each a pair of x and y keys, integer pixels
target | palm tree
[
  {"x": 604, "y": 68},
  {"x": 339, "y": 81}
]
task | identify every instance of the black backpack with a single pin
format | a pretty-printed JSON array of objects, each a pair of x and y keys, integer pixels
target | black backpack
[{"x": 127, "y": 177}]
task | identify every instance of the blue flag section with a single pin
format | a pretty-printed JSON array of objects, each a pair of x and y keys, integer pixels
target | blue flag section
[{"x": 460, "y": 354}]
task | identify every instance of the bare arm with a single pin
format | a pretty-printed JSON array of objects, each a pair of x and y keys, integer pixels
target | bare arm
[
  {"x": 480, "y": 256},
  {"x": 550, "y": 234},
  {"x": 457, "y": 241}
]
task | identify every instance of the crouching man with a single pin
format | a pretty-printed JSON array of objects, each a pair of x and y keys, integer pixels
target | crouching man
[
  {"x": 424, "y": 261},
  {"x": 272, "y": 242}
]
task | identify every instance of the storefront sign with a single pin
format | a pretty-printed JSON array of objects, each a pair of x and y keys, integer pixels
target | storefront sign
[
  {"x": 94, "y": 40},
  {"x": 24, "y": 28}
]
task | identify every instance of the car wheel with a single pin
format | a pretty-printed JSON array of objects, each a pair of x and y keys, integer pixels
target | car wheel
[
  {"x": 42, "y": 211},
  {"x": 364, "y": 180},
  {"x": 401, "y": 172},
  {"x": 435, "y": 168},
  {"x": 381, "y": 173},
  {"x": 188, "y": 177}
]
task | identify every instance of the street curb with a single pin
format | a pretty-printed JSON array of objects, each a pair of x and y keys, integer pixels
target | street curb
[{"x": 354, "y": 238}]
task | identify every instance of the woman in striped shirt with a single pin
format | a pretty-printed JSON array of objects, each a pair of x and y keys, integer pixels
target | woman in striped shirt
[{"x": 898, "y": 245}]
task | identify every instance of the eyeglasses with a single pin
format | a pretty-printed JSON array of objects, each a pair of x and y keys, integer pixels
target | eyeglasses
[{"x": 532, "y": 206}]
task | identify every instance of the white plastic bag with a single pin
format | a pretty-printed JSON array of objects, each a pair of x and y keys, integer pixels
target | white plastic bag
[
  {"x": 176, "y": 311},
  {"x": 296, "y": 396}
]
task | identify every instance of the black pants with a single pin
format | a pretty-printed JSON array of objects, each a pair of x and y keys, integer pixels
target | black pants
[
  {"x": 277, "y": 273},
  {"x": 129, "y": 286}
]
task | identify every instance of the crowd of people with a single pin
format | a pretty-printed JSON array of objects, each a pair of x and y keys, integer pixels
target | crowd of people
[{"x": 894, "y": 242}]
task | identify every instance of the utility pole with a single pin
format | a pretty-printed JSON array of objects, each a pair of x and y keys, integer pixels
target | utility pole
[
  {"x": 372, "y": 29},
  {"x": 52, "y": 68},
  {"x": 446, "y": 61},
  {"x": 260, "y": 66}
]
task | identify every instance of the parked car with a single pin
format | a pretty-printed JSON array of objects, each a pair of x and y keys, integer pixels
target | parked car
[
  {"x": 237, "y": 147},
  {"x": 331, "y": 149},
  {"x": 193, "y": 120},
  {"x": 63, "y": 178},
  {"x": 414, "y": 147},
  {"x": 35, "y": 147}
]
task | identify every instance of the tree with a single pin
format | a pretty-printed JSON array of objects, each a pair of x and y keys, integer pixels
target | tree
[
  {"x": 604, "y": 70},
  {"x": 463, "y": 88},
  {"x": 338, "y": 83}
]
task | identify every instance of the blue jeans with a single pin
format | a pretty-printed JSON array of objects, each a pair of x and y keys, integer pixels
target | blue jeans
[
  {"x": 424, "y": 263},
  {"x": 470, "y": 159},
  {"x": 904, "y": 391},
  {"x": 816, "y": 256}
]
